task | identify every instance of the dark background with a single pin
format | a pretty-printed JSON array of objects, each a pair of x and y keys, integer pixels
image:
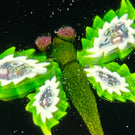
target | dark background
[{"x": 21, "y": 21}]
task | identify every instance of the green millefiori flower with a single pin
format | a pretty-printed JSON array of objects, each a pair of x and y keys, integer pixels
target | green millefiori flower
[
  {"x": 110, "y": 38},
  {"x": 112, "y": 82},
  {"x": 22, "y": 72},
  {"x": 48, "y": 104}
]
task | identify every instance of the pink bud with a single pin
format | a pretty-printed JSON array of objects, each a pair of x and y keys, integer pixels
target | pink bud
[
  {"x": 43, "y": 42},
  {"x": 67, "y": 33}
]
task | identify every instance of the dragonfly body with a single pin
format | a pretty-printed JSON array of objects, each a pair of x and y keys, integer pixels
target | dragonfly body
[{"x": 76, "y": 85}]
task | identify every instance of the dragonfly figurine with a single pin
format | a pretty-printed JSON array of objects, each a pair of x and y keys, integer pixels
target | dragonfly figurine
[{"x": 48, "y": 82}]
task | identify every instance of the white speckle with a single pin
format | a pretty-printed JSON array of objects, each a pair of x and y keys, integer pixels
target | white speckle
[
  {"x": 70, "y": 4},
  {"x": 67, "y": 9},
  {"x": 15, "y": 131},
  {"x": 63, "y": 1},
  {"x": 59, "y": 9},
  {"x": 9, "y": 21},
  {"x": 52, "y": 12},
  {"x": 31, "y": 12},
  {"x": 5, "y": 32},
  {"x": 50, "y": 16},
  {"x": 84, "y": 17},
  {"x": 73, "y": 1},
  {"x": 127, "y": 126}
]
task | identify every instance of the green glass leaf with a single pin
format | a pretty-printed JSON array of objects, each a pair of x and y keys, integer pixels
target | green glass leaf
[
  {"x": 86, "y": 43},
  {"x": 40, "y": 56},
  {"x": 112, "y": 82},
  {"x": 109, "y": 16},
  {"x": 9, "y": 51},
  {"x": 90, "y": 32},
  {"x": 126, "y": 8},
  {"x": 27, "y": 53},
  {"x": 98, "y": 22},
  {"x": 48, "y": 104}
]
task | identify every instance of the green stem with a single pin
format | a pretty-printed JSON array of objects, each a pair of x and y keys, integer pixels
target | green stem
[{"x": 76, "y": 85}]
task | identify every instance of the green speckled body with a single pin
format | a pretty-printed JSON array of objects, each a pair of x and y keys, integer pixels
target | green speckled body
[{"x": 76, "y": 85}]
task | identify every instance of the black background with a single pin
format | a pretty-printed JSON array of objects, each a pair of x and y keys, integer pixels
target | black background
[{"x": 21, "y": 21}]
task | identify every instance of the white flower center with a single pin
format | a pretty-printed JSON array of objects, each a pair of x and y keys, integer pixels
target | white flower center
[
  {"x": 117, "y": 33},
  {"x": 108, "y": 79},
  {"x": 46, "y": 99},
  {"x": 14, "y": 69}
]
